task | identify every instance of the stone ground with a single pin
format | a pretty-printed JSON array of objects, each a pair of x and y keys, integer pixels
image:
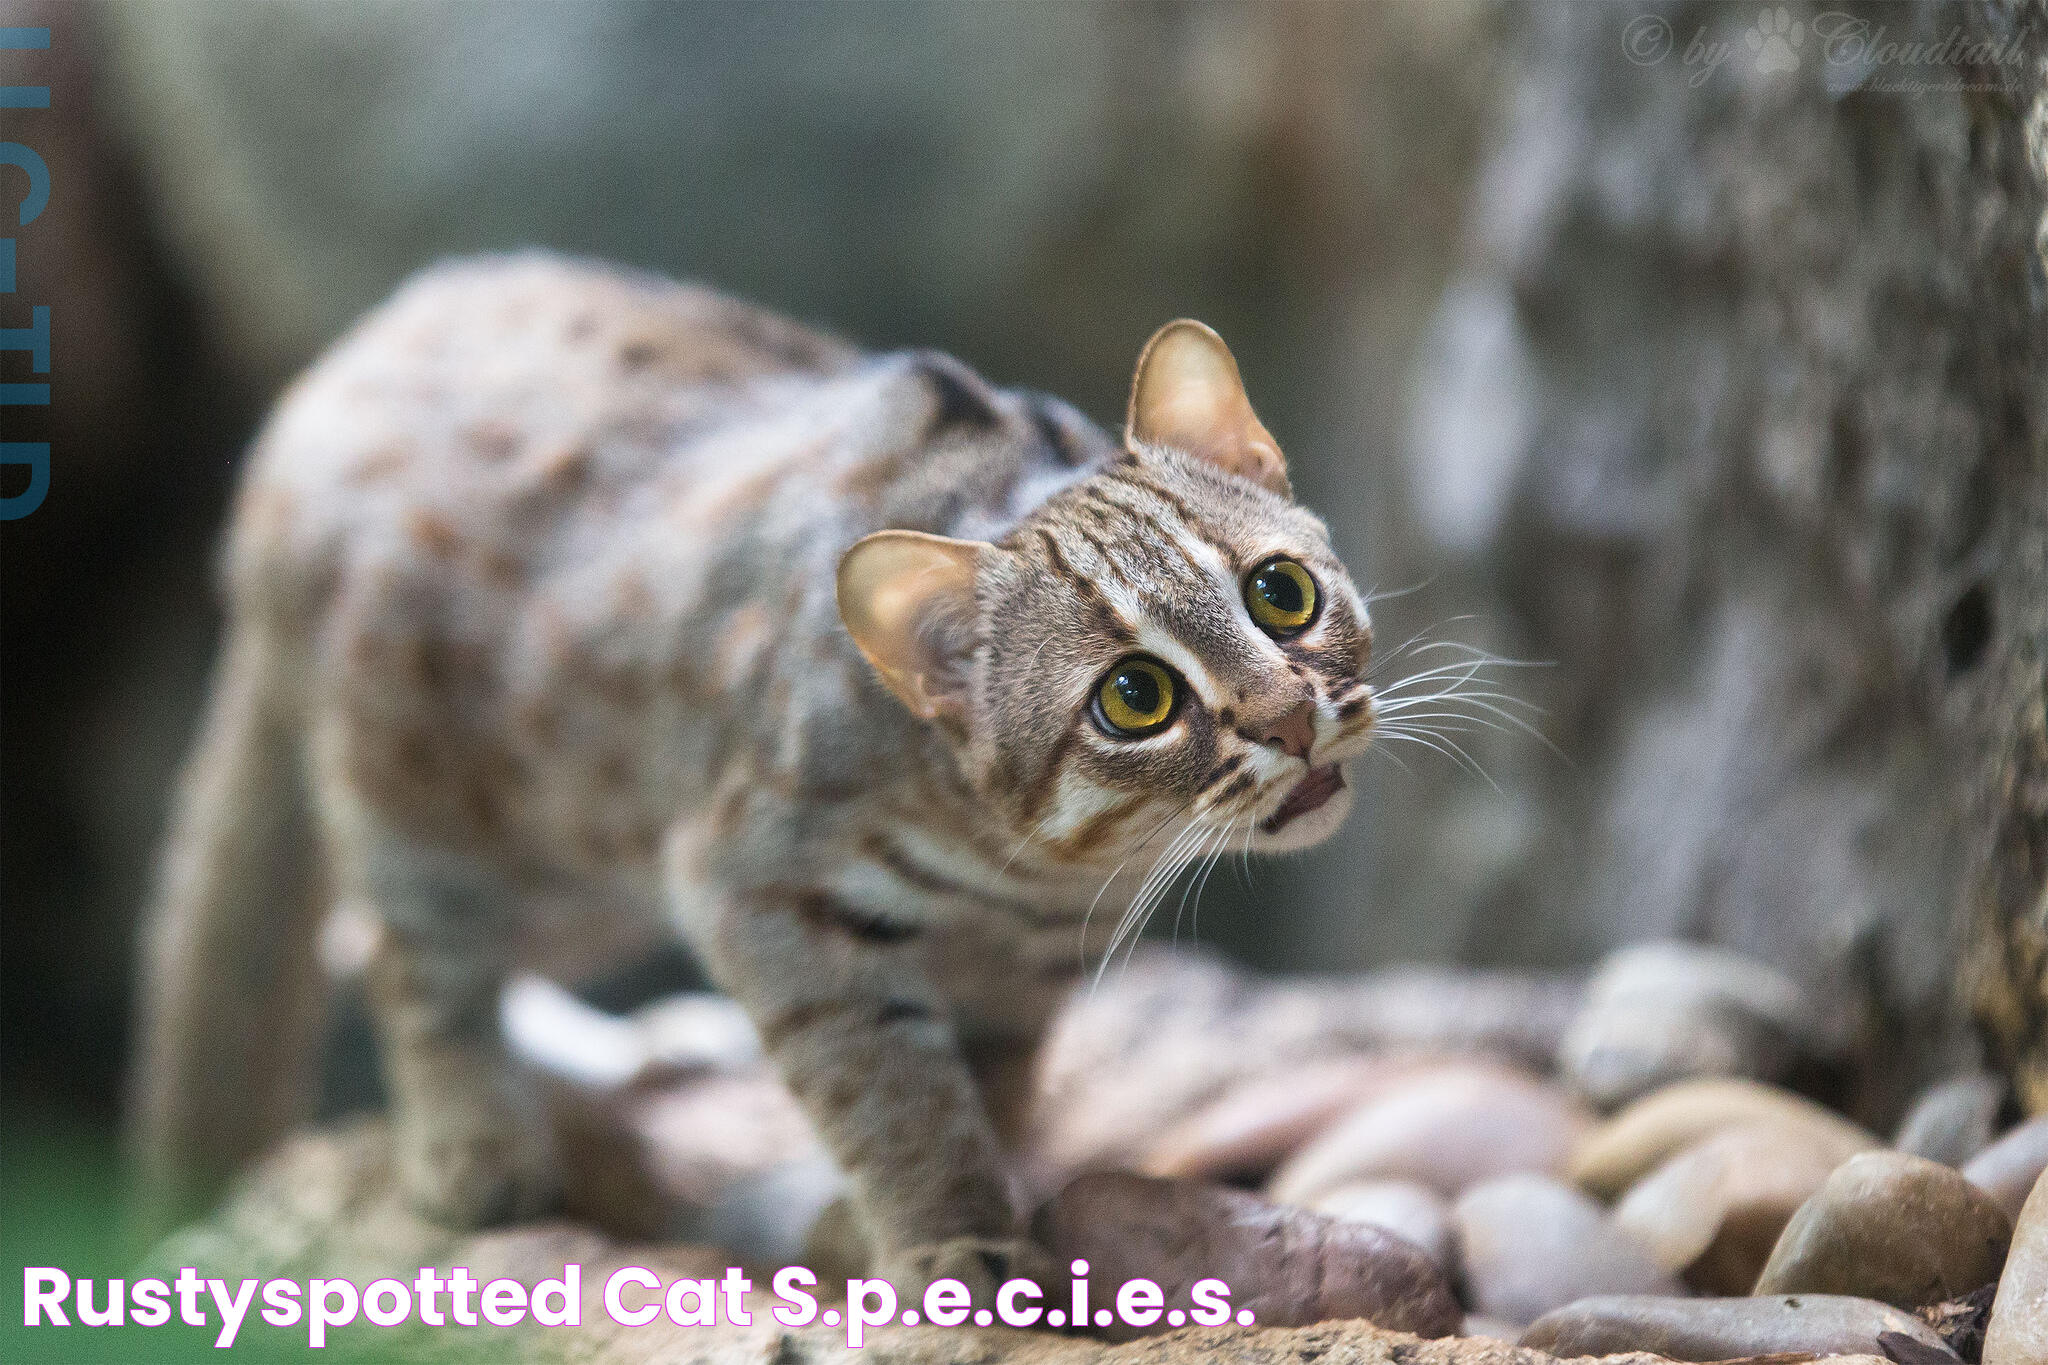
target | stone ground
[
  {"x": 1578, "y": 1166},
  {"x": 324, "y": 1205}
]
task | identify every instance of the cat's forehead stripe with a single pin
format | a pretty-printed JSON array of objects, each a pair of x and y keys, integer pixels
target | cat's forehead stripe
[
  {"x": 1156, "y": 509},
  {"x": 1193, "y": 524},
  {"x": 1111, "y": 619}
]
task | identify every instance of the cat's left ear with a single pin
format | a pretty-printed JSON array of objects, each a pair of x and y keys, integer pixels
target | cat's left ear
[
  {"x": 907, "y": 599},
  {"x": 1187, "y": 394}
]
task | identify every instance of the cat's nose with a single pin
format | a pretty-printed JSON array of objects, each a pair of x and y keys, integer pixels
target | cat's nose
[{"x": 1293, "y": 733}]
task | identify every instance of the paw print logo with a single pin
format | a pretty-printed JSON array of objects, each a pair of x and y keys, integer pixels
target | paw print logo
[{"x": 1775, "y": 40}]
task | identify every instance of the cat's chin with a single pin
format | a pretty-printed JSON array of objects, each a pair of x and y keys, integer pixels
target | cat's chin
[{"x": 1308, "y": 828}]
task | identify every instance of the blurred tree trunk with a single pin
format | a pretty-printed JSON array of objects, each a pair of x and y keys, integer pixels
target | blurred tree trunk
[{"x": 1737, "y": 412}]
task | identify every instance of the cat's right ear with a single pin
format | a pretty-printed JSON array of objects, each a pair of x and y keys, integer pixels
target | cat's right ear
[
  {"x": 1187, "y": 395},
  {"x": 907, "y": 599}
]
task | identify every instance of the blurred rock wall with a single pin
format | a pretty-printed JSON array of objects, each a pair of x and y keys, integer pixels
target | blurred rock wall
[{"x": 1736, "y": 410}]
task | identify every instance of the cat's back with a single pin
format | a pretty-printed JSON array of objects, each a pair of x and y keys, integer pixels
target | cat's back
[{"x": 486, "y": 405}]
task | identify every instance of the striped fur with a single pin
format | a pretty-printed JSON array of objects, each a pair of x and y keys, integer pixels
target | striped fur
[{"x": 537, "y": 568}]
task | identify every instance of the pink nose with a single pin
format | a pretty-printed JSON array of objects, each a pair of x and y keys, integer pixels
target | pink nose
[{"x": 1293, "y": 733}]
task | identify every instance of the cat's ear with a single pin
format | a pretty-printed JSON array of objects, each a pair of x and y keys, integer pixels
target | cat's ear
[
  {"x": 908, "y": 601},
  {"x": 1187, "y": 395}
]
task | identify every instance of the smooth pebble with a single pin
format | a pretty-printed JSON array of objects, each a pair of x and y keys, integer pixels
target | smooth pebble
[
  {"x": 1447, "y": 1130},
  {"x": 2018, "y": 1332},
  {"x": 1288, "y": 1266},
  {"x": 1725, "y": 1329},
  {"x": 1479, "y": 1325},
  {"x": 1653, "y": 1129},
  {"x": 1402, "y": 1207},
  {"x": 1253, "y": 1126},
  {"x": 1530, "y": 1243},
  {"x": 1712, "y": 1213},
  {"x": 1661, "y": 1012},
  {"x": 1952, "y": 1121},
  {"x": 1892, "y": 1227},
  {"x": 2009, "y": 1167}
]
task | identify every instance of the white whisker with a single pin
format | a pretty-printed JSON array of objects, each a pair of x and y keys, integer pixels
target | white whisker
[
  {"x": 1377, "y": 595},
  {"x": 1403, "y": 711},
  {"x": 1030, "y": 834},
  {"x": 1450, "y": 749},
  {"x": 1393, "y": 758},
  {"x": 1164, "y": 869},
  {"x": 1403, "y": 703},
  {"x": 1202, "y": 883},
  {"x": 1081, "y": 945},
  {"x": 1224, "y": 832}
]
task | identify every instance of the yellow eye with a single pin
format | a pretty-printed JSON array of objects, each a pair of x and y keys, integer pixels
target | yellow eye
[
  {"x": 1281, "y": 596},
  {"x": 1136, "y": 698}
]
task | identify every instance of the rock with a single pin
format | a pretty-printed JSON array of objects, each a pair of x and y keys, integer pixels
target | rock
[
  {"x": 692, "y": 1158},
  {"x": 1529, "y": 1244},
  {"x": 1124, "y": 1062},
  {"x": 1128, "y": 1062},
  {"x": 1517, "y": 1017},
  {"x": 1401, "y": 1207},
  {"x": 324, "y": 1204},
  {"x": 1251, "y": 1127},
  {"x": 1479, "y": 1325},
  {"x": 327, "y": 1203},
  {"x": 1447, "y": 1130},
  {"x": 1645, "y": 1134},
  {"x": 1662, "y": 1012},
  {"x": 1713, "y": 1212},
  {"x": 1952, "y": 1121},
  {"x": 1288, "y": 1266},
  {"x": 2018, "y": 1331},
  {"x": 767, "y": 1218},
  {"x": 1725, "y": 1329},
  {"x": 1892, "y": 1227},
  {"x": 702, "y": 1137},
  {"x": 2009, "y": 1167}
]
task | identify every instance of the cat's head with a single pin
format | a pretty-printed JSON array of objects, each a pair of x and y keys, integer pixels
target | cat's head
[{"x": 1168, "y": 648}]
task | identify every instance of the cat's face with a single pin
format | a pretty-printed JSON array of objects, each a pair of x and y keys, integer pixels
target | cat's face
[
  {"x": 1165, "y": 659},
  {"x": 1169, "y": 647}
]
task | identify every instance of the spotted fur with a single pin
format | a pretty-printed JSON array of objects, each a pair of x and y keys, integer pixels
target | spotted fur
[{"x": 533, "y": 623}]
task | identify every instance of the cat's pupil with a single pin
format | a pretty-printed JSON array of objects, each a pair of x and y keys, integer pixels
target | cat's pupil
[
  {"x": 1139, "y": 690},
  {"x": 1280, "y": 590}
]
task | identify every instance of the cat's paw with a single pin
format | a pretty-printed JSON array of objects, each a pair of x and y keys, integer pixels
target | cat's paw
[
  {"x": 983, "y": 1264},
  {"x": 477, "y": 1164}
]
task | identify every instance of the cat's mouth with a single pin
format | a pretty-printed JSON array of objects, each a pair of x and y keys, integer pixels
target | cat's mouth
[{"x": 1313, "y": 792}]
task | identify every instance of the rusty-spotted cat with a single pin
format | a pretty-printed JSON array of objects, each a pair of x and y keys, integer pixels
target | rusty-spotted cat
[{"x": 561, "y": 598}]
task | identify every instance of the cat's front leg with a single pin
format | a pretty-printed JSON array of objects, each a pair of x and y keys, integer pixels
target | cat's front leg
[{"x": 865, "y": 1044}]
